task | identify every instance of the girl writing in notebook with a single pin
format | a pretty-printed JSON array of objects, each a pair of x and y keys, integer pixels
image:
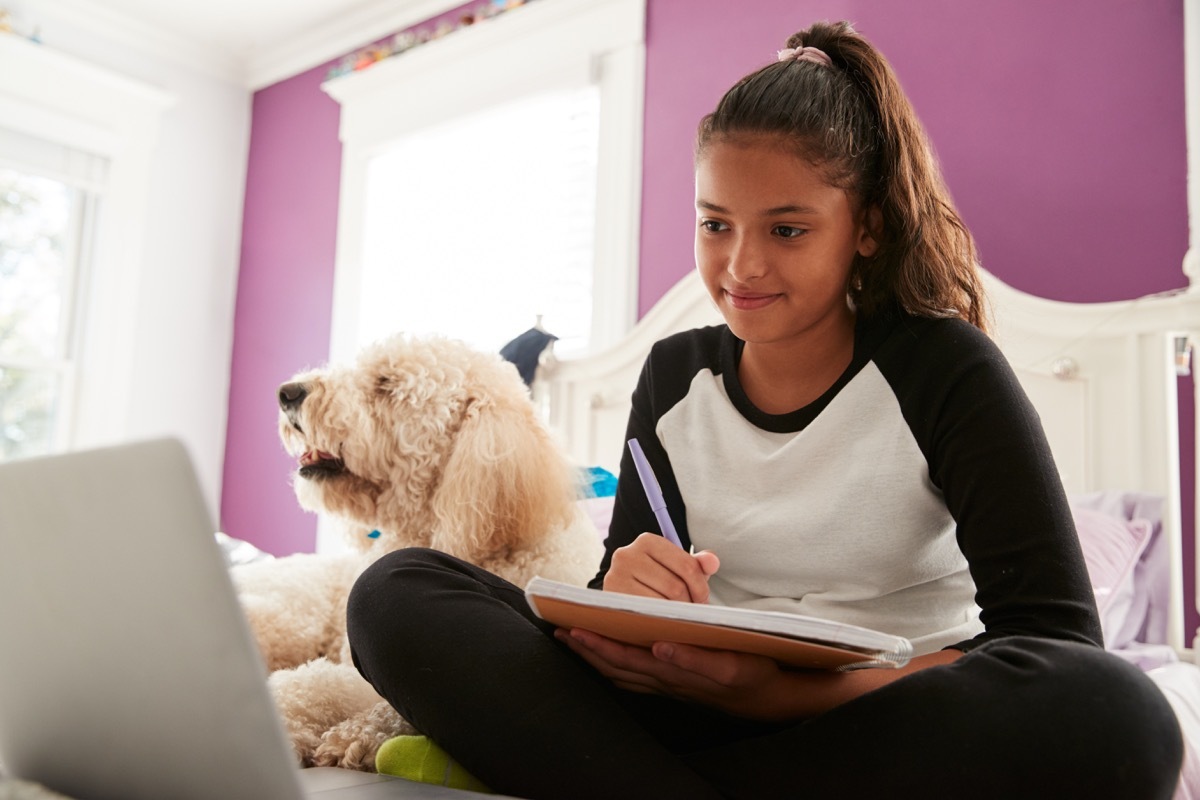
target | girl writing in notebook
[{"x": 850, "y": 445}]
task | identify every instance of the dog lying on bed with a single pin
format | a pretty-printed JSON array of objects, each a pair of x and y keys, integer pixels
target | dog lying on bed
[{"x": 421, "y": 442}]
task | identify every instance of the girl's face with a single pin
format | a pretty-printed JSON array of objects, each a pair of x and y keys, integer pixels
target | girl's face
[{"x": 774, "y": 242}]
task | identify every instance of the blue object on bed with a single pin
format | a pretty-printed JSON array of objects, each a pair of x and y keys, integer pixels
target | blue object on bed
[{"x": 597, "y": 482}]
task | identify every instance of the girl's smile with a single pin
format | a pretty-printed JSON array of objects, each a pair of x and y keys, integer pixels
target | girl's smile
[{"x": 749, "y": 301}]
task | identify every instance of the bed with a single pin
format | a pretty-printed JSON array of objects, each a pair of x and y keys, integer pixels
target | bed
[{"x": 1103, "y": 377}]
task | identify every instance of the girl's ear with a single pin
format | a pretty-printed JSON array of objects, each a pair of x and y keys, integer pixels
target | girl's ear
[{"x": 872, "y": 223}]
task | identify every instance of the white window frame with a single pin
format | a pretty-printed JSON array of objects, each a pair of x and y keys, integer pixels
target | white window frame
[
  {"x": 85, "y": 184},
  {"x": 57, "y": 98},
  {"x": 539, "y": 46}
]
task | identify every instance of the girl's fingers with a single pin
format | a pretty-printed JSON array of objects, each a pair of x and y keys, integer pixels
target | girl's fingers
[
  {"x": 666, "y": 668},
  {"x": 591, "y": 648},
  {"x": 652, "y": 566}
]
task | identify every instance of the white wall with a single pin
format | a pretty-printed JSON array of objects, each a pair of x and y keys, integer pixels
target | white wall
[{"x": 183, "y": 316}]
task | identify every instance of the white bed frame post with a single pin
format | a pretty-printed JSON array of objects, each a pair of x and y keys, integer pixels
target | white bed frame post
[{"x": 1191, "y": 260}]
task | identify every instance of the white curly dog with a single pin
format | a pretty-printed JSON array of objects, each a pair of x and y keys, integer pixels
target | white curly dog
[{"x": 420, "y": 442}]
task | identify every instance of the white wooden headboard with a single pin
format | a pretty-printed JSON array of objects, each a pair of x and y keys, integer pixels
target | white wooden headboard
[{"x": 1102, "y": 376}]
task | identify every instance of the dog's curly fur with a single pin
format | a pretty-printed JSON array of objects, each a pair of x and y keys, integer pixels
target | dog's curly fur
[{"x": 431, "y": 443}]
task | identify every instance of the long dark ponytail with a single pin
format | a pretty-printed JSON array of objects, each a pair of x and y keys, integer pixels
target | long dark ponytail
[{"x": 852, "y": 119}]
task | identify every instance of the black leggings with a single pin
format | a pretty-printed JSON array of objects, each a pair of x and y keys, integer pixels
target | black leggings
[{"x": 457, "y": 651}]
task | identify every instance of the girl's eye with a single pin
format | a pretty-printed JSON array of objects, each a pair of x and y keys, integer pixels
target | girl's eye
[
  {"x": 713, "y": 226},
  {"x": 789, "y": 232}
]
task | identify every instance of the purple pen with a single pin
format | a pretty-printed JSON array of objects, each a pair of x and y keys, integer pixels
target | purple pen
[{"x": 653, "y": 493}]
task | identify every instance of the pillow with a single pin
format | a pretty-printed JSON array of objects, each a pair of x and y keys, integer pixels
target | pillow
[
  {"x": 1112, "y": 548},
  {"x": 599, "y": 510},
  {"x": 1149, "y": 616}
]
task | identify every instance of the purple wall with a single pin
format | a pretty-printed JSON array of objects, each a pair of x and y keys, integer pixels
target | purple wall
[
  {"x": 284, "y": 298},
  {"x": 1060, "y": 127},
  {"x": 1066, "y": 155},
  {"x": 282, "y": 319}
]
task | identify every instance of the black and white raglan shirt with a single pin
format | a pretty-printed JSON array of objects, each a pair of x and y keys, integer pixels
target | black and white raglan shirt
[{"x": 917, "y": 496}]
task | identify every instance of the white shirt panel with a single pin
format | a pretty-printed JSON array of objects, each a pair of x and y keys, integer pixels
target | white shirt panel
[{"x": 857, "y": 532}]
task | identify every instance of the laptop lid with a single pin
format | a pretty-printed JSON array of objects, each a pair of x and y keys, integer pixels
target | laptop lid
[{"x": 127, "y": 669}]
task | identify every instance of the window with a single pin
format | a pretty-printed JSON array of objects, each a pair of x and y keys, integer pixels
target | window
[
  {"x": 71, "y": 133},
  {"x": 424, "y": 131},
  {"x": 500, "y": 232},
  {"x": 493, "y": 177},
  {"x": 48, "y": 201}
]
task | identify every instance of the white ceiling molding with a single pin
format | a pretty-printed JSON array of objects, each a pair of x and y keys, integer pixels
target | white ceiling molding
[
  {"x": 318, "y": 43},
  {"x": 125, "y": 30}
]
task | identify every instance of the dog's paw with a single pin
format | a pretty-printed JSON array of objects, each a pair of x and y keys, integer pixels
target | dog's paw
[
  {"x": 334, "y": 752},
  {"x": 353, "y": 744}
]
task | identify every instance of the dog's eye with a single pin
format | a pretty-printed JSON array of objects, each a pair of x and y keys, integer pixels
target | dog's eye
[{"x": 385, "y": 384}]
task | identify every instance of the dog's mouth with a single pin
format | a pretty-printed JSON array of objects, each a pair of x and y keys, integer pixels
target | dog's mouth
[{"x": 317, "y": 465}]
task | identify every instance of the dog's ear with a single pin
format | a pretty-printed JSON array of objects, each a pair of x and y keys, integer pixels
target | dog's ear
[{"x": 505, "y": 484}]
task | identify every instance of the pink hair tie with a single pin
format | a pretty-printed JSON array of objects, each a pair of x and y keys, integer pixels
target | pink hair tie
[{"x": 806, "y": 54}]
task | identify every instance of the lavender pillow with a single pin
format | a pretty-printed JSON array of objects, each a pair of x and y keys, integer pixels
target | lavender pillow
[
  {"x": 1113, "y": 548},
  {"x": 599, "y": 510}
]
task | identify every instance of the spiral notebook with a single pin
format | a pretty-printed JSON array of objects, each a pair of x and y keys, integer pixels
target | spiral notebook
[{"x": 796, "y": 640}]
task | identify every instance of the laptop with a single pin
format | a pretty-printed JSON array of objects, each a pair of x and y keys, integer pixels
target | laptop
[{"x": 127, "y": 669}]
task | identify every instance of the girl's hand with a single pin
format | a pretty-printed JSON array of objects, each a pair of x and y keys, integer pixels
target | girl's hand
[
  {"x": 653, "y": 567},
  {"x": 741, "y": 684},
  {"x": 737, "y": 683}
]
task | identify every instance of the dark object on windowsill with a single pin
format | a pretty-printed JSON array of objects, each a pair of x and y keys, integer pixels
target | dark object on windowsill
[{"x": 525, "y": 350}]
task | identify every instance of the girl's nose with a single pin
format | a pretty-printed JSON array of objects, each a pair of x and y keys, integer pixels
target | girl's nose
[{"x": 746, "y": 261}]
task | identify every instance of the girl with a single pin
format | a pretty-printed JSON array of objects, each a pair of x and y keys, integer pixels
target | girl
[{"x": 849, "y": 445}]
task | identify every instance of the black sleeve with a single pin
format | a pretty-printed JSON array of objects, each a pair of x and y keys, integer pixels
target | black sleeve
[
  {"x": 664, "y": 379},
  {"x": 988, "y": 454}
]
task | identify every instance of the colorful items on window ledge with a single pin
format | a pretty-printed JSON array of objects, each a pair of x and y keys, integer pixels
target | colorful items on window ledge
[{"x": 414, "y": 37}]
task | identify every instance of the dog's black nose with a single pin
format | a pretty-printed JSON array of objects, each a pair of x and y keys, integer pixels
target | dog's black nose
[{"x": 291, "y": 395}]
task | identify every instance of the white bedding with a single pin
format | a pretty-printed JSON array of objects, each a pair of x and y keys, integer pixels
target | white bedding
[{"x": 1180, "y": 683}]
